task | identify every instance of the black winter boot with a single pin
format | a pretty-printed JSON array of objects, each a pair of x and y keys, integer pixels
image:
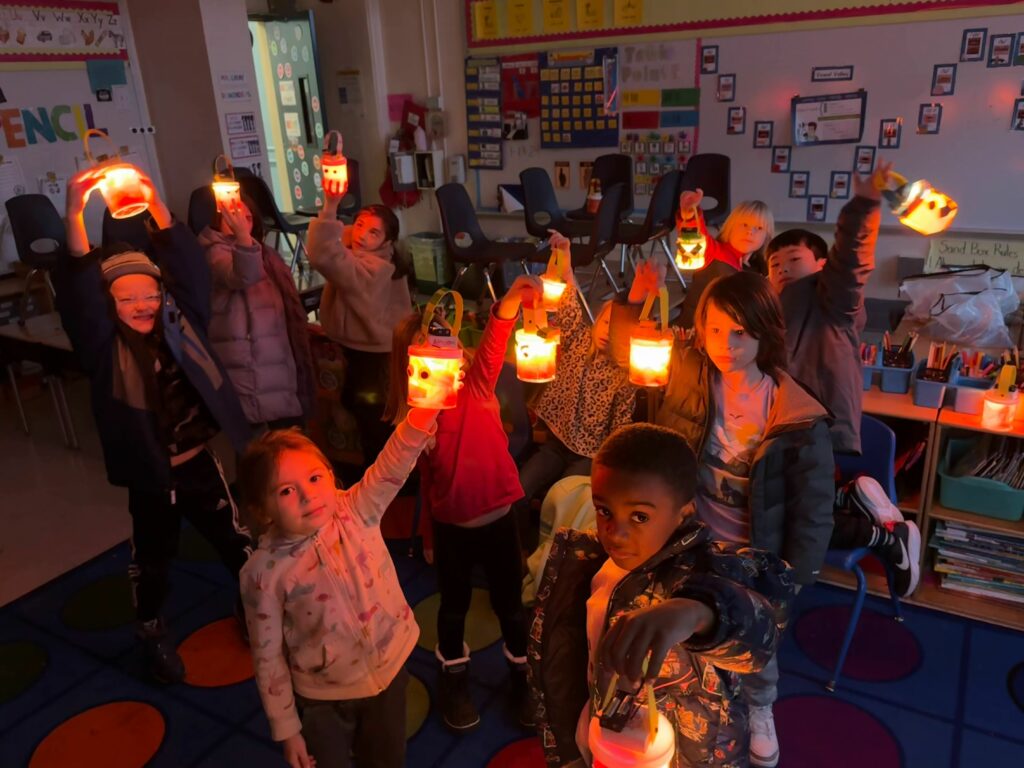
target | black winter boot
[
  {"x": 524, "y": 703},
  {"x": 160, "y": 656},
  {"x": 457, "y": 708}
]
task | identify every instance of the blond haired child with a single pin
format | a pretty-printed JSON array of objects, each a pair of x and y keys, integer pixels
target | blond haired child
[{"x": 329, "y": 626}]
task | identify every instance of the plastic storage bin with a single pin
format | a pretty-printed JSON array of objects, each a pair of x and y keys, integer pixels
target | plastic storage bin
[
  {"x": 897, "y": 380},
  {"x": 931, "y": 394},
  {"x": 976, "y": 494},
  {"x": 970, "y": 395},
  {"x": 430, "y": 261},
  {"x": 869, "y": 371}
]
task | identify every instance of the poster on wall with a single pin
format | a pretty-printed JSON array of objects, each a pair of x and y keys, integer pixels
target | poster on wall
[
  {"x": 483, "y": 112},
  {"x": 57, "y": 32},
  {"x": 520, "y": 84},
  {"x": 572, "y": 100},
  {"x": 833, "y": 119}
]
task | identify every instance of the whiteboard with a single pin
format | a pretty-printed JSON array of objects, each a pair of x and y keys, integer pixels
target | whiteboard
[{"x": 976, "y": 158}]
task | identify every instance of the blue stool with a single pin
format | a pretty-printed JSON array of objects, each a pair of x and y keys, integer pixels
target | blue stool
[{"x": 877, "y": 460}]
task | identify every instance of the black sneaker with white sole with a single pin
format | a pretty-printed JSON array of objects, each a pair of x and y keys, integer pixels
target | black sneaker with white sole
[{"x": 905, "y": 555}]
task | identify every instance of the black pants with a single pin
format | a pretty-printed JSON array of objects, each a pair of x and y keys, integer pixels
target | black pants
[
  {"x": 496, "y": 547},
  {"x": 364, "y": 395},
  {"x": 371, "y": 730},
  {"x": 547, "y": 465},
  {"x": 850, "y": 530},
  {"x": 201, "y": 496}
]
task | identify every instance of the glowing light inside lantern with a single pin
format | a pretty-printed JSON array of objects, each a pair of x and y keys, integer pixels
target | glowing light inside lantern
[
  {"x": 227, "y": 193},
  {"x": 122, "y": 191},
  {"x": 536, "y": 354},
  {"x": 335, "y": 168},
  {"x": 649, "y": 353},
  {"x": 553, "y": 290},
  {"x": 433, "y": 376},
  {"x": 632, "y": 747},
  {"x": 921, "y": 207},
  {"x": 998, "y": 410},
  {"x": 690, "y": 248}
]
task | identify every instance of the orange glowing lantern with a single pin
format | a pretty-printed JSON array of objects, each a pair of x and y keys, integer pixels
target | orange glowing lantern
[
  {"x": 334, "y": 165},
  {"x": 650, "y": 349},
  {"x": 118, "y": 182},
  {"x": 690, "y": 248},
  {"x": 634, "y": 746},
  {"x": 919, "y": 205},
  {"x": 226, "y": 190},
  {"x": 435, "y": 358},
  {"x": 594, "y": 196},
  {"x": 553, "y": 279},
  {"x": 1000, "y": 403},
  {"x": 536, "y": 347}
]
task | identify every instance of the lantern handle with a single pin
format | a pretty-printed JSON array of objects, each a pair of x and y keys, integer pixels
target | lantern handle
[
  {"x": 881, "y": 184},
  {"x": 556, "y": 263},
  {"x": 336, "y": 150},
  {"x": 88, "y": 152},
  {"x": 227, "y": 172},
  {"x": 662, "y": 295},
  {"x": 433, "y": 304}
]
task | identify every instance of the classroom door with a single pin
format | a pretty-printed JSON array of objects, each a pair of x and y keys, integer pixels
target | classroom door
[{"x": 287, "y": 74}]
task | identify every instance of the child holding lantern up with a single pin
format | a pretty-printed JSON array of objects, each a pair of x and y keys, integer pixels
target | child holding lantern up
[
  {"x": 468, "y": 482},
  {"x": 366, "y": 296}
]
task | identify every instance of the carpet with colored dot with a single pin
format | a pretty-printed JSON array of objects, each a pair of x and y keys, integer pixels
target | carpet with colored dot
[{"x": 933, "y": 691}]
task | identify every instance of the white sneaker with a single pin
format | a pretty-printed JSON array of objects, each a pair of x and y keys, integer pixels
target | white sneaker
[{"x": 764, "y": 743}]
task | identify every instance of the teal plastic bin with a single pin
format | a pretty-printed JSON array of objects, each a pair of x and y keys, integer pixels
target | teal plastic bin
[{"x": 976, "y": 494}]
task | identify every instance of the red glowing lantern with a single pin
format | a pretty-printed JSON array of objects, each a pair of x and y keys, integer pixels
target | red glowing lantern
[
  {"x": 334, "y": 165},
  {"x": 536, "y": 347},
  {"x": 919, "y": 205},
  {"x": 226, "y": 190},
  {"x": 435, "y": 359},
  {"x": 650, "y": 349},
  {"x": 119, "y": 182}
]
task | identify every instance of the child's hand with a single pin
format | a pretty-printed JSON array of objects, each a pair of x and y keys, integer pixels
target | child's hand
[
  {"x": 527, "y": 289},
  {"x": 558, "y": 240},
  {"x": 871, "y": 186},
  {"x": 650, "y": 276},
  {"x": 689, "y": 200},
  {"x": 295, "y": 753},
  {"x": 240, "y": 228},
  {"x": 80, "y": 187},
  {"x": 654, "y": 630},
  {"x": 157, "y": 208}
]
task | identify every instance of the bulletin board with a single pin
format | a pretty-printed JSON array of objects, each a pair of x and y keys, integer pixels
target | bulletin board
[{"x": 967, "y": 139}]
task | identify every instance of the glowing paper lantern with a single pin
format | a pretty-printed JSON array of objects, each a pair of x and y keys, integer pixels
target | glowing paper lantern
[
  {"x": 536, "y": 347},
  {"x": 334, "y": 165},
  {"x": 634, "y": 746},
  {"x": 594, "y": 196},
  {"x": 691, "y": 246},
  {"x": 920, "y": 206},
  {"x": 226, "y": 191},
  {"x": 650, "y": 349},
  {"x": 1000, "y": 403},
  {"x": 435, "y": 360},
  {"x": 552, "y": 279},
  {"x": 118, "y": 182}
]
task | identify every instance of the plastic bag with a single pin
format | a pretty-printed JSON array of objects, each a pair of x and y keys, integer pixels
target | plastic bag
[{"x": 964, "y": 306}]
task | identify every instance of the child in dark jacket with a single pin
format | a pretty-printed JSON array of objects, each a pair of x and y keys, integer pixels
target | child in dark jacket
[
  {"x": 651, "y": 596},
  {"x": 159, "y": 394}
]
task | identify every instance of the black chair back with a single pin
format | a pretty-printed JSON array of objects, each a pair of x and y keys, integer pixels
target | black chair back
[
  {"x": 661, "y": 212},
  {"x": 132, "y": 231},
  {"x": 353, "y": 199},
  {"x": 202, "y": 207},
  {"x": 605, "y": 232},
  {"x": 540, "y": 205},
  {"x": 458, "y": 220},
  {"x": 710, "y": 172},
  {"x": 256, "y": 188},
  {"x": 615, "y": 169},
  {"x": 34, "y": 217}
]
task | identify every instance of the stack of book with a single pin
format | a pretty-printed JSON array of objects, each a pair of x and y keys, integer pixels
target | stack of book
[{"x": 979, "y": 562}]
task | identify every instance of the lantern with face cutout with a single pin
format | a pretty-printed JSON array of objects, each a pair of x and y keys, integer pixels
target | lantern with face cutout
[
  {"x": 690, "y": 248},
  {"x": 435, "y": 359},
  {"x": 553, "y": 279},
  {"x": 536, "y": 347},
  {"x": 920, "y": 206},
  {"x": 650, "y": 348},
  {"x": 226, "y": 190},
  {"x": 334, "y": 165},
  {"x": 118, "y": 182}
]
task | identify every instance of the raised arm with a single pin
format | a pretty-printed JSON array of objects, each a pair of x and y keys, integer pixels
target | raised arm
[{"x": 236, "y": 265}]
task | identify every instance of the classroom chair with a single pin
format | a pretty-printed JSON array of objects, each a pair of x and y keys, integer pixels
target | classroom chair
[
  {"x": 133, "y": 231},
  {"x": 39, "y": 238},
  {"x": 284, "y": 225},
  {"x": 611, "y": 169},
  {"x": 877, "y": 460},
  {"x": 202, "y": 206},
  {"x": 710, "y": 172},
  {"x": 467, "y": 244},
  {"x": 658, "y": 224},
  {"x": 540, "y": 207}
]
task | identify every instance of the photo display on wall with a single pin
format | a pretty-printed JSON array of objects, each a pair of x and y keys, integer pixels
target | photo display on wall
[
  {"x": 654, "y": 154},
  {"x": 483, "y": 112},
  {"x": 572, "y": 100}
]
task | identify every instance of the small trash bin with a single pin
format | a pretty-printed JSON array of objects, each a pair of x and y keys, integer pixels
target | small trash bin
[{"x": 430, "y": 261}]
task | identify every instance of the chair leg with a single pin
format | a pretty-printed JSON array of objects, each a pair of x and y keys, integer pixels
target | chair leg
[
  {"x": 458, "y": 276},
  {"x": 672, "y": 262},
  {"x": 65, "y": 413},
  {"x": 51, "y": 385},
  {"x": 26, "y": 293},
  {"x": 608, "y": 274},
  {"x": 583, "y": 300},
  {"x": 851, "y": 627},
  {"x": 490, "y": 284},
  {"x": 17, "y": 397},
  {"x": 623, "y": 254}
]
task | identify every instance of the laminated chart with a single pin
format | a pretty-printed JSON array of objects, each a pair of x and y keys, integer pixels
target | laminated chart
[
  {"x": 483, "y": 112},
  {"x": 573, "y": 102}
]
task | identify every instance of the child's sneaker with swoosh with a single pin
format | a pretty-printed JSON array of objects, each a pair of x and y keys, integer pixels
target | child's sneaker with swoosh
[{"x": 905, "y": 554}]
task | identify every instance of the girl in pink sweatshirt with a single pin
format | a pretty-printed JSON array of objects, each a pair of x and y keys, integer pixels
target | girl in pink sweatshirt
[
  {"x": 366, "y": 295},
  {"x": 468, "y": 482}
]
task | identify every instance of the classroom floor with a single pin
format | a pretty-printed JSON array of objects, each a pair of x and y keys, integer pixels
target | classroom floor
[{"x": 936, "y": 691}]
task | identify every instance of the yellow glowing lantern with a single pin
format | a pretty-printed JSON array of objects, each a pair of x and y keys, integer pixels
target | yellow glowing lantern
[
  {"x": 435, "y": 359},
  {"x": 919, "y": 205},
  {"x": 118, "y": 182},
  {"x": 226, "y": 190},
  {"x": 334, "y": 165},
  {"x": 536, "y": 347},
  {"x": 690, "y": 248},
  {"x": 553, "y": 279},
  {"x": 1000, "y": 403},
  {"x": 650, "y": 349},
  {"x": 634, "y": 746}
]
